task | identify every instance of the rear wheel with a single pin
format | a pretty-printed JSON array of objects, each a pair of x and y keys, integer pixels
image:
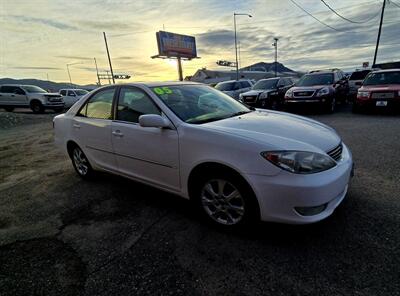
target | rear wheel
[
  {"x": 225, "y": 199},
  {"x": 9, "y": 109},
  {"x": 37, "y": 107},
  {"x": 81, "y": 163}
]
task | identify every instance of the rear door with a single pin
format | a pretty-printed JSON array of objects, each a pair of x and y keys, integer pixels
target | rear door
[
  {"x": 13, "y": 95},
  {"x": 92, "y": 129},
  {"x": 146, "y": 153}
]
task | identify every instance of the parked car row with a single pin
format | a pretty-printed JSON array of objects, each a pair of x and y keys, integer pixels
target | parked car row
[
  {"x": 322, "y": 89},
  {"x": 37, "y": 99}
]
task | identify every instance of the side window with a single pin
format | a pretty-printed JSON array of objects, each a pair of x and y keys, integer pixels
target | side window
[
  {"x": 71, "y": 93},
  {"x": 132, "y": 103},
  {"x": 237, "y": 86},
  {"x": 8, "y": 89},
  {"x": 245, "y": 84},
  {"x": 63, "y": 92},
  {"x": 100, "y": 105}
]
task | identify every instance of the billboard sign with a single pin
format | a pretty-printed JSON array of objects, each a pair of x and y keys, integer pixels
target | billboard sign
[{"x": 176, "y": 45}]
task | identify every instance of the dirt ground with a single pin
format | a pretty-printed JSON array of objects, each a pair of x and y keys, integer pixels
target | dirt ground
[{"x": 60, "y": 235}]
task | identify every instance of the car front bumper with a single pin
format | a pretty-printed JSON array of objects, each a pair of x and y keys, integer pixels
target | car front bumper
[
  {"x": 54, "y": 105},
  {"x": 279, "y": 196}
]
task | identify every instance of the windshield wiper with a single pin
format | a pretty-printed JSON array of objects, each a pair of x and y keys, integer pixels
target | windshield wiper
[{"x": 238, "y": 113}]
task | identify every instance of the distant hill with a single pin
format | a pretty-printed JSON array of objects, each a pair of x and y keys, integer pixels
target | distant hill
[
  {"x": 47, "y": 85},
  {"x": 268, "y": 67}
]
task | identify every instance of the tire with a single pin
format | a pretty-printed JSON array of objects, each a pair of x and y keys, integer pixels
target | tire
[
  {"x": 274, "y": 105},
  {"x": 263, "y": 104},
  {"x": 58, "y": 110},
  {"x": 81, "y": 163},
  {"x": 225, "y": 199},
  {"x": 330, "y": 106},
  {"x": 9, "y": 109},
  {"x": 37, "y": 107}
]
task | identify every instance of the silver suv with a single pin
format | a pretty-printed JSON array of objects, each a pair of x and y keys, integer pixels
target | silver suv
[
  {"x": 234, "y": 88},
  {"x": 29, "y": 96}
]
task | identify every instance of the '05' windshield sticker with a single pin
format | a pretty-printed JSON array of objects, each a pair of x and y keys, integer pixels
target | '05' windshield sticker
[{"x": 162, "y": 90}]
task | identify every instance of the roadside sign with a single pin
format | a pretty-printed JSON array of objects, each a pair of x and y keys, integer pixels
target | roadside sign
[{"x": 176, "y": 45}]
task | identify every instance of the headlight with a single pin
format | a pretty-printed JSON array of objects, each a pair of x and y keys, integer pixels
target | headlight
[
  {"x": 289, "y": 94},
  {"x": 363, "y": 94},
  {"x": 264, "y": 95},
  {"x": 300, "y": 162},
  {"x": 323, "y": 92},
  {"x": 241, "y": 95}
]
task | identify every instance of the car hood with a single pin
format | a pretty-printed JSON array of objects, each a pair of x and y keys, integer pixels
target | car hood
[
  {"x": 255, "y": 92},
  {"x": 386, "y": 87},
  {"x": 280, "y": 131},
  {"x": 307, "y": 88}
]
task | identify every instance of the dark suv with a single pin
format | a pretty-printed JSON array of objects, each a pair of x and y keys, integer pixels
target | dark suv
[
  {"x": 323, "y": 88},
  {"x": 267, "y": 93}
]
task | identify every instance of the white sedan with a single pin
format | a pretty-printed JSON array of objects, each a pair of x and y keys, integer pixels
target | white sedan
[{"x": 237, "y": 164}]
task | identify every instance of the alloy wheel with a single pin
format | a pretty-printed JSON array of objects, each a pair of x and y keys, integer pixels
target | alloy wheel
[
  {"x": 222, "y": 202},
  {"x": 80, "y": 161}
]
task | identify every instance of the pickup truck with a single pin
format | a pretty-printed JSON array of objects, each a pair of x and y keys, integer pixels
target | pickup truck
[{"x": 29, "y": 96}]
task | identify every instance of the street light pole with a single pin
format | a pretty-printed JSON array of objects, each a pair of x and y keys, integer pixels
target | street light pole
[
  {"x": 236, "y": 48},
  {"x": 108, "y": 55},
  {"x": 275, "y": 44}
]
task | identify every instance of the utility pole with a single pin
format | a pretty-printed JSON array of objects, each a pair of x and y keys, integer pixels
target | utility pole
[
  {"x": 275, "y": 44},
  {"x": 97, "y": 72},
  {"x": 109, "y": 59},
  {"x": 69, "y": 75},
  {"x": 379, "y": 33},
  {"x": 236, "y": 47},
  {"x": 239, "y": 54}
]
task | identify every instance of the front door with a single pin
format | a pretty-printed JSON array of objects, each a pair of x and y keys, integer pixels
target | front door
[{"x": 146, "y": 153}]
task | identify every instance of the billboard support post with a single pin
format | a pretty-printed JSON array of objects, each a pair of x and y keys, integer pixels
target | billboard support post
[{"x": 180, "y": 69}]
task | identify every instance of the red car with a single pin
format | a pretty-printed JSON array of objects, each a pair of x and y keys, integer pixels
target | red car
[{"x": 380, "y": 89}]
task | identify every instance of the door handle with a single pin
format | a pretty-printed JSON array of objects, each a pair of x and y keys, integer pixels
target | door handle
[
  {"x": 118, "y": 133},
  {"x": 76, "y": 125}
]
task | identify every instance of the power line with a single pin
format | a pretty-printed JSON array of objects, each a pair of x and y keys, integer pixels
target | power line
[
  {"x": 318, "y": 20},
  {"x": 345, "y": 18}
]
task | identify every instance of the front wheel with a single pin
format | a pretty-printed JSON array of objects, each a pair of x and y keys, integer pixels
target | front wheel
[
  {"x": 37, "y": 107},
  {"x": 330, "y": 106},
  {"x": 226, "y": 200},
  {"x": 262, "y": 104}
]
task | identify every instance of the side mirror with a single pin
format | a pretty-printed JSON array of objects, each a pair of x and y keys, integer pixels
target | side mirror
[{"x": 153, "y": 120}]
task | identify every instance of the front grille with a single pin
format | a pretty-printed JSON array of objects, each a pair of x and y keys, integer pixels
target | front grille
[
  {"x": 54, "y": 99},
  {"x": 303, "y": 93},
  {"x": 383, "y": 95},
  {"x": 336, "y": 153}
]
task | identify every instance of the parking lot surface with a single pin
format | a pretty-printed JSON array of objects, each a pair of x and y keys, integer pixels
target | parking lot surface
[{"x": 60, "y": 235}]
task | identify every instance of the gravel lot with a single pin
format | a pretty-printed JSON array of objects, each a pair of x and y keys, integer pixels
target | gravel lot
[{"x": 60, "y": 235}]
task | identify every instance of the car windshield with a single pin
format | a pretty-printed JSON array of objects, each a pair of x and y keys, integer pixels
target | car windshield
[
  {"x": 315, "y": 79},
  {"x": 382, "y": 78},
  {"x": 199, "y": 103},
  {"x": 81, "y": 92},
  {"x": 225, "y": 86},
  {"x": 265, "y": 84},
  {"x": 33, "y": 89},
  {"x": 359, "y": 75}
]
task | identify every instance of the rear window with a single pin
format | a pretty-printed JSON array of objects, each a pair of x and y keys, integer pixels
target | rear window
[{"x": 359, "y": 75}]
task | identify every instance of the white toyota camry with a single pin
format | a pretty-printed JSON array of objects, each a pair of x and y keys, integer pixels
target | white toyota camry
[{"x": 237, "y": 164}]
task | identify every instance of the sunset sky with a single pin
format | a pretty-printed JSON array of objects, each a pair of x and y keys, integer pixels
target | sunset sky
[{"x": 39, "y": 37}]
